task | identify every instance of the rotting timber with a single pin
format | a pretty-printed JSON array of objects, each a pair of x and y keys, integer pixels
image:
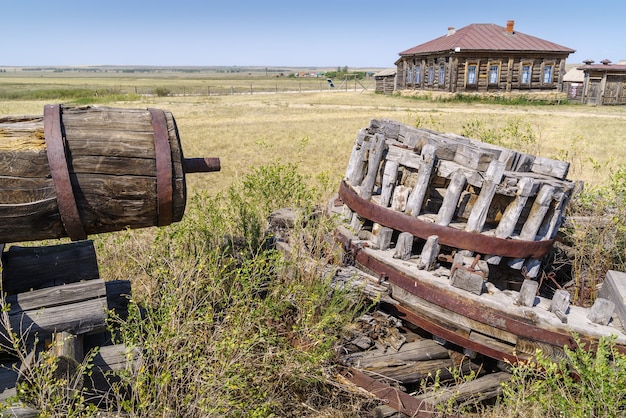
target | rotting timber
[
  {"x": 458, "y": 229},
  {"x": 456, "y": 232}
]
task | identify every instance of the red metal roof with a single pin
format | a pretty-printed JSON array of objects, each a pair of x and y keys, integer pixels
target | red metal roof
[{"x": 486, "y": 36}]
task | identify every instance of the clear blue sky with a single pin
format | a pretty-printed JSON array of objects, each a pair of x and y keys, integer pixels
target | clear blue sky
[{"x": 282, "y": 33}]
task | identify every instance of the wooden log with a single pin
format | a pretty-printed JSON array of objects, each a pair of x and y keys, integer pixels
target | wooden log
[
  {"x": 377, "y": 149},
  {"x": 400, "y": 198},
  {"x": 110, "y": 157},
  {"x": 464, "y": 279},
  {"x": 26, "y": 268},
  {"x": 77, "y": 308},
  {"x": 416, "y": 198},
  {"x": 416, "y": 372},
  {"x": 108, "y": 362},
  {"x": 477, "y": 390},
  {"x": 419, "y": 350}
]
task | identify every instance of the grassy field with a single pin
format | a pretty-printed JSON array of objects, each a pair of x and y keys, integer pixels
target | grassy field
[
  {"x": 213, "y": 346},
  {"x": 316, "y": 129}
]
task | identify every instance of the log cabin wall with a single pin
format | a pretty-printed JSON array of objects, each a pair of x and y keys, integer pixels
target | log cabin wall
[{"x": 453, "y": 72}]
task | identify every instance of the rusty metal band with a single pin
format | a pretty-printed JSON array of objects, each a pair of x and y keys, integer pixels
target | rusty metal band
[
  {"x": 453, "y": 302},
  {"x": 449, "y": 236},
  {"x": 57, "y": 160},
  {"x": 163, "y": 167},
  {"x": 408, "y": 404}
]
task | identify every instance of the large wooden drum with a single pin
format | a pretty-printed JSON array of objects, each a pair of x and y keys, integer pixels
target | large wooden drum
[{"x": 86, "y": 170}]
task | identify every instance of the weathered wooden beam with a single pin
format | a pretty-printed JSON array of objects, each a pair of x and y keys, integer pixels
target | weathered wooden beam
[{"x": 30, "y": 268}]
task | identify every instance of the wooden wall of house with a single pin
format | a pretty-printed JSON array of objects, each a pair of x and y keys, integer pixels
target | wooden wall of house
[{"x": 510, "y": 73}]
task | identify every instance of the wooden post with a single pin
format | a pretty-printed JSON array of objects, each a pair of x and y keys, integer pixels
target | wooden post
[
  {"x": 382, "y": 236},
  {"x": 528, "y": 293},
  {"x": 534, "y": 220},
  {"x": 451, "y": 198},
  {"x": 601, "y": 311},
  {"x": 390, "y": 176},
  {"x": 404, "y": 246},
  {"x": 511, "y": 215},
  {"x": 478, "y": 215},
  {"x": 428, "y": 258},
  {"x": 560, "y": 304},
  {"x": 416, "y": 198},
  {"x": 356, "y": 165},
  {"x": 373, "y": 164}
]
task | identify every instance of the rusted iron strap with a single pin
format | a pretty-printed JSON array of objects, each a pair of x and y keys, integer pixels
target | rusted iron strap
[
  {"x": 163, "y": 167},
  {"x": 458, "y": 304},
  {"x": 57, "y": 160},
  {"x": 447, "y": 236},
  {"x": 397, "y": 399}
]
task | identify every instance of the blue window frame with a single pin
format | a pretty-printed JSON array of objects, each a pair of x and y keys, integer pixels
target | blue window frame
[
  {"x": 525, "y": 74},
  {"x": 471, "y": 74},
  {"x": 431, "y": 75},
  {"x": 547, "y": 74},
  {"x": 493, "y": 74},
  {"x": 418, "y": 74},
  {"x": 442, "y": 75}
]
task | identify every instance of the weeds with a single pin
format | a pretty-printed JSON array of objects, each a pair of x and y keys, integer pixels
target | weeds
[{"x": 585, "y": 384}]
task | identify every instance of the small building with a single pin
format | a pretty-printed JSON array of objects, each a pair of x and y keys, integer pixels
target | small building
[
  {"x": 604, "y": 83},
  {"x": 385, "y": 81},
  {"x": 483, "y": 58},
  {"x": 573, "y": 82}
]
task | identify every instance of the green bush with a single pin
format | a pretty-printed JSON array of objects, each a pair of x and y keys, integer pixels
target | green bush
[{"x": 587, "y": 383}]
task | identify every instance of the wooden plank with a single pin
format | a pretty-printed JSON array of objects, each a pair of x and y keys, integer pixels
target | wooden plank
[
  {"x": 354, "y": 171},
  {"x": 534, "y": 220},
  {"x": 416, "y": 198},
  {"x": 377, "y": 149},
  {"x": 451, "y": 199},
  {"x": 474, "y": 391},
  {"x": 478, "y": 215},
  {"x": 512, "y": 213},
  {"x": 26, "y": 268},
  {"x": 390, "y": 176}
]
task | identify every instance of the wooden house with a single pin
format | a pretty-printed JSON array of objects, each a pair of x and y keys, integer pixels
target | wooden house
[
  {"x": 385, "y": 81},
  {"x": 483, "y": 58},
  {"x": 604, "y": 83}
]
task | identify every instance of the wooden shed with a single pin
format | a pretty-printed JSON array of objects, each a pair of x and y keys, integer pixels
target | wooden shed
[
  {"x": 385, "y": 81},
  {"x": 604, "y": 83},
  {"x": 483, "y": 58},
  {"x": 573, "y": 82}
]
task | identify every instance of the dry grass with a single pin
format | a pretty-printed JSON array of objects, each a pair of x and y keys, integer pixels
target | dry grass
[{"x": 316, "y": 130}]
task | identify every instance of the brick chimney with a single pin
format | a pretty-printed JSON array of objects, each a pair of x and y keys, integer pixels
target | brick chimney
[{"x": 509, "y": 26}]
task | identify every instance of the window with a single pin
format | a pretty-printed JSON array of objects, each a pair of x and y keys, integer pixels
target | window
[
  {"x": 547, "y": 74},
  {"x": 418, "y": 74},
  {"x": 442, "y": 75},
  {"x": 493, "y": 74},
  {"x": 471, "y": 74},
  {"x": 525, "y": 74},
  {"x": 409, "y": 76},
  {"x": 431, "y": 75}
]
